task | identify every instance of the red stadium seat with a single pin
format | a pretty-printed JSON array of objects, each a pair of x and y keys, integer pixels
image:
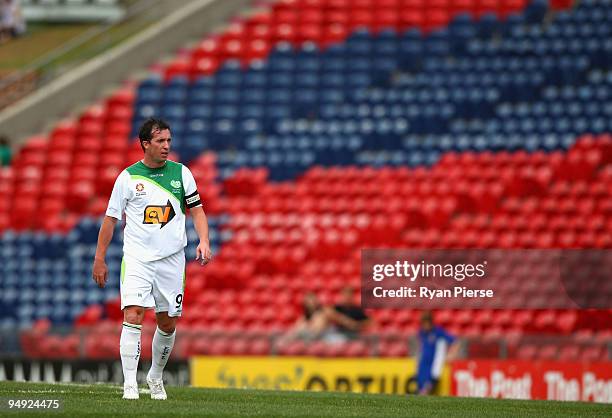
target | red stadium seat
[
  {"x": 527, "y": 352},
  {"x": 395, "y": 349},
  {"x": 561, "y": 4},
  {"x": 62, "y": 142},
  {"x": 294, "y": 348},
  {"x": 90, "y": 316},
  {"x": 593, "y": 354},
  {"x": 259, "y": 347},
  {"x": 548, "y": 352},
  {"x": 569, "y": 353}
]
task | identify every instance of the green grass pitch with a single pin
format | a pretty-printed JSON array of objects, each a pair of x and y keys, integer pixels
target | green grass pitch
[{"x": 105, "y": 400}]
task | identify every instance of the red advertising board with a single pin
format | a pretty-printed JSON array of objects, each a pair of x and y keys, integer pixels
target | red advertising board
[{"x": 549, "y": 380}]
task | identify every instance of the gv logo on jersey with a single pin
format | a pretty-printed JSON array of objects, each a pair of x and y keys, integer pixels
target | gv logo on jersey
[{"x": 154, "y": 214}]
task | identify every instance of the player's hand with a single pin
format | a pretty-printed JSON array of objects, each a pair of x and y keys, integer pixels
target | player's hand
[
  {"x": 203, "y": 252},
  {"x": 100, "y": 272}
]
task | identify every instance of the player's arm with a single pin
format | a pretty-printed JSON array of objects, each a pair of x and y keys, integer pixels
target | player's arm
[
  {"x": 100, "y": 271},
  {"x": 453, "y": 350},
  {"x": 200, "y": 223},
  {"x": 454, "y": 346},
  {"x": 346, "y": 321},
  {"x": 114, "y": 212}
]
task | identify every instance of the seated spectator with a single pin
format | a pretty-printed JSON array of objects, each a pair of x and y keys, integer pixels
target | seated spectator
[
  {"x": 347, "y": 319},
  {"x": 312, "y": 323},
  {"x": 5, "y": 152}
]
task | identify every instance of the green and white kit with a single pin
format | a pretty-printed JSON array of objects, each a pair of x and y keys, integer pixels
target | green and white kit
[{"x": 154, "y": 201}]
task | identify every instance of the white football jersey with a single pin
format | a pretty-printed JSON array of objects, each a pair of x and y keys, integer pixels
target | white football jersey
[{"x": 154, "y": 201}]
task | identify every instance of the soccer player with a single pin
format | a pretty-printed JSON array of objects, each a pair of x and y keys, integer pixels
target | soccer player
[
  {"x": 154, "y": 194},
  {"x": 435, "y": 344}
]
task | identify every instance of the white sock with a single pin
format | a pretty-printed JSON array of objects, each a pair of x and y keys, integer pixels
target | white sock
[
  {"x": 162, "y": 347},
  {"x": 129, "y": 348}
]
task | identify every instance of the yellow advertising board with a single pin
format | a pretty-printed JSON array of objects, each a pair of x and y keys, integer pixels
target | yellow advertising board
[{"x": 363, "y": 375}]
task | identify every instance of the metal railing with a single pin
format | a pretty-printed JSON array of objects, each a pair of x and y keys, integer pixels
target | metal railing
[
  {"x": 473, "y": 347},
  {"x": 20, "y": 83}
]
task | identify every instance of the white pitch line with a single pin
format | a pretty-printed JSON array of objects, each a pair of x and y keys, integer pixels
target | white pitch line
[
  {"x": 41, "y": 391},
  {"x": 66, "y": 384},
  {"x": 91, "y": 385}
]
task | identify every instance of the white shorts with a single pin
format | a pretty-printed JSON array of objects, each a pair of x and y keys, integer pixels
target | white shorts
[{"x": 159, "y": 284}]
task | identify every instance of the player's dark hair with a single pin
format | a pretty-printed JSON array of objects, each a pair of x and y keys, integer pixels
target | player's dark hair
[
  {"x": 427, "y": 316},
  {"x": 147, "y": 128}
]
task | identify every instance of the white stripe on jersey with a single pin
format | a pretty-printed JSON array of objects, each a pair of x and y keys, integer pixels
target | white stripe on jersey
[{"x": 439, "y": 357}]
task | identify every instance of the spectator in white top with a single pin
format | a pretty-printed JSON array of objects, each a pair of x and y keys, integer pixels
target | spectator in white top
[{"x": 12, "y": 23}]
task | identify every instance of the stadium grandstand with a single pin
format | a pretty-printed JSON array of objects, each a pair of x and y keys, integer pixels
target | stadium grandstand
[{"x": 316, "y": 129}]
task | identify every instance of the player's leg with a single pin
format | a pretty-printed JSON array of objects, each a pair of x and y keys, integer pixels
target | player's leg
[
  {"x": 136, "y": 295},
  {"x": 129, "y": 348},
  {"x": 168, "y": 293},
  {"x": 424, "y": 377},
  {"x": 163, "y": 342}
]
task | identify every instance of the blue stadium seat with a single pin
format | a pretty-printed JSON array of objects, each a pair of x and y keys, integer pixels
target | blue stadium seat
[
  {"x": 487, "y": 25},
  {"x": 152, "y": 81},
  {"x": 60, "y": 314},
  {"x": 175, "y": 95},
  {"x": 148, "y": 95},
  {"x": 177, "y": 83},
  {"x": 536, "y": 11}
]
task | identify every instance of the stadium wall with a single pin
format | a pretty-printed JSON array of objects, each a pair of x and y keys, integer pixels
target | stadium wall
[
  {"x": 86, "y": 82},
  {"x": 545, "y": 380},
  {"x": 505, "y": 379},
  {"x": 361, "y": 375},
  {"x": 16, "y": 369}
]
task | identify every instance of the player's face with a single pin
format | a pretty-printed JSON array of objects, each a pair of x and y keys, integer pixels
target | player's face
[
  {"x": 159, "y": 145},
  {"x": 310, "y": 300},
  {"x": 346, "y": 297},
  {"x": 426, "y": 325}
]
